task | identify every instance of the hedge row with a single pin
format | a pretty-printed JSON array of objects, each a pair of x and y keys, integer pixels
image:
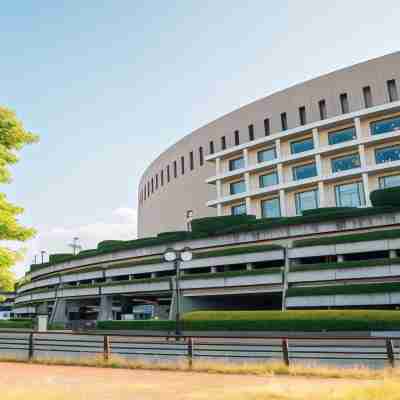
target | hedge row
[
  {"x": 386, "y": 197},
  {"x": 344, "y": 289},
  {"x": 292, "y": 320},
  {"x": 237, "y": 250},
  {"x": 352, "y": 238},
  {"x": 16, "y": 323}
]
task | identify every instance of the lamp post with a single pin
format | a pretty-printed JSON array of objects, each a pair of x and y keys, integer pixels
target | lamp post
[
  {"x": 176, "y": 256},
  {"x": 43, "y": 252}
]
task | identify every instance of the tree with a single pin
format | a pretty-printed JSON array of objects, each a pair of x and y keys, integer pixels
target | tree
[{"x": 13, "y": 137}]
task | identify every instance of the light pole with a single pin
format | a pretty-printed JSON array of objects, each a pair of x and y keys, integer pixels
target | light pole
[
  {"x": 176, "y": 256},
  {"x": 43, "y": 252}
]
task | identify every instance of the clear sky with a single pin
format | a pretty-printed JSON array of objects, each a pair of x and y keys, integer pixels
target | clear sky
[{"x": 110, "y": 84}]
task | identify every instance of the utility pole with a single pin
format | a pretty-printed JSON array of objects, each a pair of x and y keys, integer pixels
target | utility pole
[{"x": 75, "y": 246}]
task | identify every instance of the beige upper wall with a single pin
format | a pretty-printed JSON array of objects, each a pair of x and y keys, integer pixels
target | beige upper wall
[{"x": 166, "y": 208}]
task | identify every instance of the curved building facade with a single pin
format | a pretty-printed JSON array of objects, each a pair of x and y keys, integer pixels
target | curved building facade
[{"x": 326, "y": 142}]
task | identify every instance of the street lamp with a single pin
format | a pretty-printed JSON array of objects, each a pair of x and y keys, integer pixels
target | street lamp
[
  {"x": 176, "y": 256},
  {"x": 43, "y": 252}
]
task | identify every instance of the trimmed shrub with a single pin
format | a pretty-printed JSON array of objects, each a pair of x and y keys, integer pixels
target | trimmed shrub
[
  {"x": 56, "y": 258},
  {"x": 327, "y": 210},
  {"x": 16, "y": 324},
  {"x": 389, "y": 197},
  {"x": 212, "y": 225},
  {"x": 237, "y": 250}
]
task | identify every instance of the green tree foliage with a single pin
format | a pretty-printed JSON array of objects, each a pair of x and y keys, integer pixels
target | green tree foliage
[{"x": 13, "y": 137}]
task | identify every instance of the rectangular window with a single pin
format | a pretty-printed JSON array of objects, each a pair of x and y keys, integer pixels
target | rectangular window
[
  {"x": 271, "y": 208},
  {"x": 284, "y": 121},
  {"x": 240, "y": 209},
  {"x": 145, "y": 192},
  {"x": 162, "y": 177},
  {"x": 191, "y": 160},
  {"x": 201, "y": 156},
  {"x": 392, "y": 90},
  {"x": 168, "y": 174},
  {"x": 237, "y": 139},
  {"x": 152, "y": 185},
  {"x": 182, "y": 165},
  {"x": 266, "y": 155},
  {"x": 387, "y": 154},
  {"x": 223, "y": 143},
  {"x": 341, "y": 136},
  {"x": 385, "y": 126},
  {"x": 237, "y": 187},
  {"x": 302, "y": 145},
  {"x": 302, "y": 115},
  {"x": 236, "y": 163},
  {"x": 175, "y": 169},
  {"x": 251, "y": 132},
  {"x": 211, "y": 147},
  {"x": 389, "y": 181},
  {"x": 269, "y": 179},
  {"x": 267, "y": 128},
  {"x": 322, "y": 109},
  {"x": 344, "y": 103},
  {"x": 304, "y": 171},
  {"x": 156, "y": 181},
  {"x": 367, "y": 95},
  {"x": 306, "y": 201},
  {"x": 350, "y": 195},
  {"x": 148, "y": 189},
  {"x": 346, "y": 162}
]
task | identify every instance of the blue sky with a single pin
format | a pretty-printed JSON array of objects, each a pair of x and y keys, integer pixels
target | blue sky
[{"x": 109, "y": 85}]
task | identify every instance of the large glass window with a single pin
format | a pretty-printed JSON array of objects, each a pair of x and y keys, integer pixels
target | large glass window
[
  {"x": 389, "y": 181},
  {"x": 239, "y": 209},
  {"x": 271, "y": 208},
  {"x": 266, "y": 155},
  {"x": 236, "y": 163},
  {"x": 302, "y": 145},
  {"x": 385, "y": 126},
  {"x": 387, "y": 154},
  {"x": 237, "y": 187},
  {"x": 306, "y": 200},
  {"x": 347, "y": 162},
  {"x": 269, "y": 179},
  {"x": 350, "y": 195},
  {"x": 341, "y": 136},
  {"x": 304, "y": 171}
]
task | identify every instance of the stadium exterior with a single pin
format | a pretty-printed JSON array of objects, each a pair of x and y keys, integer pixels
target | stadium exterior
[{"x": 328, "y": 142}]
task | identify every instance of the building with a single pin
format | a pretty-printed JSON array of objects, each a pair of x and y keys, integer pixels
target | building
[
  {"x": 326, "y": 142},
  {"x": 6, "y": 305}
]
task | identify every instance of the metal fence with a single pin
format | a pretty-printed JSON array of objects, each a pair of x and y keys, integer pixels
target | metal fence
[{"x": 371, "y": 351}]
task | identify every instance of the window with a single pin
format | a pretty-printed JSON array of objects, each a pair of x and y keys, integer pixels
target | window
[
  {"x": 240, "y": 209},
  {"x": 223, "y": 143},
  {"x": 191, "y": 160},
  {"x": 385, "y": 126},
  {"x": 392, "y": 90},
  {"x": 182, "y": 165},
  {"x": 389, "y": 181},
  {"x": 144, "y": 192},
  {"x": 322, "y": 109},
  {"x": 237, "y": 139},
  {"x": 269, "y": 179},
  {"x": 156, "y": 181},
  {"x": 267, "y": 128},
  {"x": 367, "y": 95},
  {"x": 302, "y": 145},
  {"x": 306, "y": 200},
  {"x": 251, "y": 132},
  {"x": 346, "y": 162},
  {"x": 304, "y": 171},
  {"x": 152, "y": 185},
  {"x": 162, "y": 177},
  {"x": 344, "y": 103},
  {"x": 284, "y": 121},
  {"x": 201, "y": 156},
  {"x": 387, "y": 154},
  {"x": 302, "y": 115},
  {"x": 168, "y": 174},
  {"x": 266, "y": 155},
  {"x": 271, "y": 208},
  {"x": 148, "y": 189},
  {"x": 341, "y": 136},
  {"x": 237, "y": 187},
  {"x": 350, "y": 195},
  {"x": 175, "y": 169},
  {"x": 211, "y": 147},
  {"x": 236, "y": 163}
]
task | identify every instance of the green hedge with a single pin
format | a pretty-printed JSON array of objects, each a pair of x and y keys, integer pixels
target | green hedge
[
  {"x": 60, "y": 257},
  {"x": 237, "y": 250},
  {"x": 328, "y": 210},
  {"x": 389, "y": 197},
  {"x": 344, "y": 289},
  {"x": 352, "y": 238},
  {"x": 292, "y": 320},
  {"x": 212, "y": 225},
  {"x": 231, "y": 274},
  {"x": 16, "y": 323}
]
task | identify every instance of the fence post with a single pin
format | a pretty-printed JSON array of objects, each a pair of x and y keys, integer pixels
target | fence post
[
  {"x": 285, "y": 351},
  {"x": 106, "y": 348},
  {"x": 30, "y": 347},
  {"x": 390, "y": 352},
  {"x": 190, "y": 352}
]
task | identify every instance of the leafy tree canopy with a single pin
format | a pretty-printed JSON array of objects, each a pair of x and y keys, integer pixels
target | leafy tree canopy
[{"x": 13, "y": 137}]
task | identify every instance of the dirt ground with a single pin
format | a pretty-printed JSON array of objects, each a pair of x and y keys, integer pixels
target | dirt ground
[{"x": 34, "y": 382}]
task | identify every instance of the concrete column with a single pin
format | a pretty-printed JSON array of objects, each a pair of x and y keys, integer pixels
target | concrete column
[
  {"x": 278, "y": 148},
  {"x": 340, "y": 258},
  {"x": 318, "y": 165},
  {"x": 315, "y": 138},
  {"x": 361, "y": 152},
  {"x": 366, "y": 189},
  {"x": 247, "y": 181},
  {"x": 219, "y": 189},
  {"x": 246, "y": 157},
  {"x": 249, "y": 266},
  {"x": 249, "y": 209},
  {"x": 218, "y": 166},
  {"x": 105, "y": 313},
  {"x": 392, "y": 254},
  {"x": 357, "y": 125},
  {"x": 219, "y": 210},
  {"x": 279, "y": 170},
  {"x": 321, "y": 194},
  {"x": 282, "y": 201}
]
